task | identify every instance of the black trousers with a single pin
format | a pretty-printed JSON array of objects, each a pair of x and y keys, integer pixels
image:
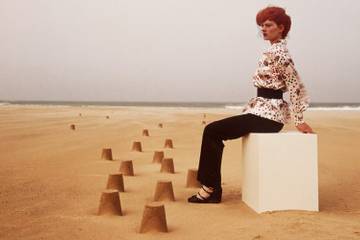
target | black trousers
[{"x": 228, "y": 128}]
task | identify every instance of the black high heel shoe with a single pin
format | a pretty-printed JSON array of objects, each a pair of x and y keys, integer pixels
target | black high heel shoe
[{"x": 215, "y": 197}]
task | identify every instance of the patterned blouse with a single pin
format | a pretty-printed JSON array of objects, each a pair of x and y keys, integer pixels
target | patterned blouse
[{"x": 276, "y": 70}]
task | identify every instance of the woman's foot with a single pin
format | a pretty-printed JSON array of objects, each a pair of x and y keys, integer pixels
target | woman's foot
[{"x": 207, "y": 195}]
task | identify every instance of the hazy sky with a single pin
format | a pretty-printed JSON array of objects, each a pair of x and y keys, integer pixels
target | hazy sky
[{"x": 169, "y": 50}]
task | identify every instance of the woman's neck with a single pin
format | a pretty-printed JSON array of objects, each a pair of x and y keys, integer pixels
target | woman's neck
[{"x": 275, "y": 41}]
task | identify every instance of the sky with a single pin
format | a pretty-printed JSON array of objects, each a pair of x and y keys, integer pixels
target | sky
[{"x": 169, "y": 50}]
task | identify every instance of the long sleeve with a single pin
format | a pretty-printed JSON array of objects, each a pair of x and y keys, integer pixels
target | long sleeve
[{"x": 299, "y": 98}]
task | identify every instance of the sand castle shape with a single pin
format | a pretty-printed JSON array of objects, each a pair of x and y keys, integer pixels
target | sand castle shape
[
  {"x": 116, "y": 181},
  {"x": 191, "y": 180},
  {"x": 145, "y": 132},
  {"x": 168, "y": 143},
  {"x": 154, "y": 218},
  {"x": 158, "y": 156},
  {"x": 110, "y": 203},
  {"x": 136, "y": 147},
  {"x": 164, "y": 191},
  {"x": 106, "y": 154},
  {"x": 126, "y": 168},
  {"x": 167, "y": 165}
]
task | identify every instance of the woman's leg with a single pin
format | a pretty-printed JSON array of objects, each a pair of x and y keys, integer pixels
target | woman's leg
[{"x": 209, "y": 170}]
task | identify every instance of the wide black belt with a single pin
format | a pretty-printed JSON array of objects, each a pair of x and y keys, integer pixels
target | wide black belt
[{"x": 269, "y": 93}]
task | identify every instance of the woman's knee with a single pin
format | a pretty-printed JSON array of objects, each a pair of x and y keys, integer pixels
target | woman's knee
[{"x": 210, "y": 128}]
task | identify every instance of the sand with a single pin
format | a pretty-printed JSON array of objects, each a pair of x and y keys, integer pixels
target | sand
[{"x": 52, "y": 177}]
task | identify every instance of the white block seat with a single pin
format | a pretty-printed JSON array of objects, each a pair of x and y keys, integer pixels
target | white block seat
[{"x": 280, "y": 171}]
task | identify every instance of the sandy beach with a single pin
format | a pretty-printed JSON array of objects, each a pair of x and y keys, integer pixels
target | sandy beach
[{"x": 52, "y": 177}]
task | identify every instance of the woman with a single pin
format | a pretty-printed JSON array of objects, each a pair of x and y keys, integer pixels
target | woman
[{"x": 267, "y": 112}]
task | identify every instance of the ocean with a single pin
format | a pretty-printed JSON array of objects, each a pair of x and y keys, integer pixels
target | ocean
[{"x": 229, "y": 105}]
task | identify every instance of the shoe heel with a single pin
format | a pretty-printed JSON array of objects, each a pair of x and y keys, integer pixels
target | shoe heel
[{"x": 216, "y": 196}]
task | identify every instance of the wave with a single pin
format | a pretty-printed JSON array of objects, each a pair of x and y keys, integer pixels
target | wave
[
  {"x": 335, "y": 108},
  {"x": 323, "y": 108},
  {"x": 187, "y": 105}
]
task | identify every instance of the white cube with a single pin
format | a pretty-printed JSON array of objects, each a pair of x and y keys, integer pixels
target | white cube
[{"x": 280, "y": 171}]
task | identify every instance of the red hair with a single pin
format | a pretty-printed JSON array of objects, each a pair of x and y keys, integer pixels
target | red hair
[{"x": 276, "y": 14}]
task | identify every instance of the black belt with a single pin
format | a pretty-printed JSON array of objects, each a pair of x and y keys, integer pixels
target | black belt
[{"x": 269, "y": 93}]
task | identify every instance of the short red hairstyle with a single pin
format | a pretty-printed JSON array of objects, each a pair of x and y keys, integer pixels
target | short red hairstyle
[{"x": 276, "y": 14}]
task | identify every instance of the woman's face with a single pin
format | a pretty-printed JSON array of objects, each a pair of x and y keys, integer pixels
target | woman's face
[{"x": 271, "y": 31}]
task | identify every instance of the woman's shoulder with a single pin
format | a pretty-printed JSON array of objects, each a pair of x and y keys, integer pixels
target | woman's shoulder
[
  {"x": 279, "y": 49},
  {"x": 279, "y": 53}
]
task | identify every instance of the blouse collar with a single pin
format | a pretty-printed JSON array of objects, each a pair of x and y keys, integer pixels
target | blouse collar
[
  {"x": 281, "y": 42},
  {"x": 278, "y": 45}
]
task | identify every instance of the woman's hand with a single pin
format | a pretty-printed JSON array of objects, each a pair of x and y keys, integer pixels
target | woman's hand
[{"x": 304, "y": 128}]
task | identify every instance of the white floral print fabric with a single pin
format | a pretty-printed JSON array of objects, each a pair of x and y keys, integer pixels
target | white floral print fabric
[{"x": 276, "y": 70}]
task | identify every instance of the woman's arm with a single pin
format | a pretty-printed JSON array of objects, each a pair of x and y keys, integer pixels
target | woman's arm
[
  {"x": 285, "y": 70},
  {"x": 299, "y": 97}
]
